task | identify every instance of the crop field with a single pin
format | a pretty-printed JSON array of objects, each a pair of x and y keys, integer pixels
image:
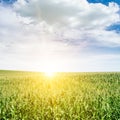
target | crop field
[{"x": 64, "y": 96}]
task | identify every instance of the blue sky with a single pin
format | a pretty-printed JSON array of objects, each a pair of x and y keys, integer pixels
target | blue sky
[
  {"x": 105, "y": 2},
  {"x": 60, "y": 35}
]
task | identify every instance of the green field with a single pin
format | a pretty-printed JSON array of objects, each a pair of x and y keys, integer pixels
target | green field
[{"x": 66, "y": 96}]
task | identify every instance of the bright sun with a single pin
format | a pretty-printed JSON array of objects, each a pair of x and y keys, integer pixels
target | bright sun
[{"x": 49, "y": 74}]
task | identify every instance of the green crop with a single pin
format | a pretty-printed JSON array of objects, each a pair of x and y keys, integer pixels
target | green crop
[{"x": 65, "y": 96}]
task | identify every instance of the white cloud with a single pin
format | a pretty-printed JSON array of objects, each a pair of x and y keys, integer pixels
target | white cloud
[
  {"x": 58, "y": 31},
  {"x": 69, "y": 13}
]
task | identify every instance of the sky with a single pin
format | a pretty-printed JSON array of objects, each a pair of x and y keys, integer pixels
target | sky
[{"x": 60, "y": 35}]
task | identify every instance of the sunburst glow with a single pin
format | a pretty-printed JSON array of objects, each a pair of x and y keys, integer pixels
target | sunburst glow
[{"x": 50, "y": 74}]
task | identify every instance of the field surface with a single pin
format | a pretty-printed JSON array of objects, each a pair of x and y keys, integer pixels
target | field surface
[{"x": 65, "y": 96}]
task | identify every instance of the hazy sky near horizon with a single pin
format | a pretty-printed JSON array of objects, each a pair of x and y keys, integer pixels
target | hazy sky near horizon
[{"x": 60, "y": 35}]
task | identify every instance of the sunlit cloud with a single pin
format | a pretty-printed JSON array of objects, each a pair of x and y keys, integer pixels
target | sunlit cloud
[{"x": 57, "y": 34}]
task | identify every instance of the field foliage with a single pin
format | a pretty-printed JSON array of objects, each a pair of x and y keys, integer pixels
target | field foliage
[{"x": 66, "y": 96}]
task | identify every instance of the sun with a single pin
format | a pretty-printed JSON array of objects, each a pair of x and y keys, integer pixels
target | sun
[{"x": 50, "y": 74}]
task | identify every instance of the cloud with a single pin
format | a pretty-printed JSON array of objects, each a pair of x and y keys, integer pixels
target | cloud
[
  {"x": 69, "y": 13},
  {"x": 59, "y": 31},
  {"x": 22, "y": 41},
  {"x": 82, "y": 17}
]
